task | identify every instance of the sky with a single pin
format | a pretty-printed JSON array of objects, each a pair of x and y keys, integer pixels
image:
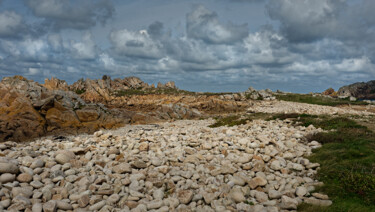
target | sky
[{"x": 213, "y": 45}]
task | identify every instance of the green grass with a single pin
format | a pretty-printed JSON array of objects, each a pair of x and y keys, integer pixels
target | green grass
[
  {"x": 80, "y": 91},
  {"x": 347, "y": 160},
  {"x": 317, "y": 100},
  {"x": 234, "y": 120}
]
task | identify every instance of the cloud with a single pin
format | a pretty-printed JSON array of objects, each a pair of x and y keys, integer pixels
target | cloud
[
  {"x": 78, "y": 14},
  {"x": 310, "y": 48},
  {"x": 85, "y": 50},
  {"x": 55, "y": 41},
  {"x": 135, "y": 44},
  {"x": 309, "y": 21},
  {"x": 11, "y": 24},
  {"x": 203, "y": 24}
]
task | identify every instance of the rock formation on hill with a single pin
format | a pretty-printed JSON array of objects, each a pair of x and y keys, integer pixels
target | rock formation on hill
[
  {"x": 28, "y": 110},
  {"x": 360, "y": 90}
]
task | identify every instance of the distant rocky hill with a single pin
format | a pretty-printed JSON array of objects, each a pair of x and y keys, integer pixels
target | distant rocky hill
[{"x": 360, "y": 90}]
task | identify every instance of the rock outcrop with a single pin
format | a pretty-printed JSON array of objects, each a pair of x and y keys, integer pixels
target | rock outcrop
[
  {"x": 330, "y": 92},
  {"x": 360, "y": 90},
  {"x": 29, "y": 110}
]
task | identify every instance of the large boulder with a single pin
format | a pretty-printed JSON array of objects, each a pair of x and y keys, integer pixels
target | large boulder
[
  {"x": 360, "y": 90},
  {"x": 18, "y": 118}
]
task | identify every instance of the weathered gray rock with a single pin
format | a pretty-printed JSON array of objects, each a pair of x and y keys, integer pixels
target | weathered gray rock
[
  {"x": 50, "y": 206},
  {"x": 237, "y": 195},
  {"x": 8, "y": 168},
  {"x": 7, "y": 177},
  {"x": 288, "y": 203}
]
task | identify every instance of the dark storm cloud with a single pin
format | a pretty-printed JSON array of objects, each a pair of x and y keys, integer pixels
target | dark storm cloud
[
  {"x": 203, "y": 24},
  {"x": 77, "y": 14}
]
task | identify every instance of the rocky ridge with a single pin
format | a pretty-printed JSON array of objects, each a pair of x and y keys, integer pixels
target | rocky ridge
[
  {"x": 178, "y": 166},
  {"x": 360, "y": 90}
]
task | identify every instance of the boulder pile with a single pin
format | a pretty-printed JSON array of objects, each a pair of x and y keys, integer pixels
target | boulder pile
[{"x": 178, "y": 166}]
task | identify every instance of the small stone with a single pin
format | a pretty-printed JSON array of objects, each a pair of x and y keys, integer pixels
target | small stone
[
  {"x": 158, "y": 194},
  {"x": 237, "y": 195},
  {"x": 97, "y": 206},
  {"x": 238, "y": 181},
  {"x": 37, "y": 164},
  {"x": 83, "y": 200},
  {"x": 288, "y": 203},
  {"x": 36, "y": 184},
  {"x": 24, "y": 191},
  {"x": 154, "y": 204},
  {"x": 64, "y": 157},
  {"x": 301, "y": 191},
  {"x": 5, "y": 203},
  {"x": 185, "y": 196},
  {"x": 37, "y": 207},
  {"x": 275, "y": 165},
  {"x": 139, "y": 164},
  {"x": 257, "y": 181},
  {"x": 261, "y": 197},
  {"x": 113, "y": 199},
  {"x": 273, "y": 194},
  {"x": 7, "y": 177},
  {"x": 24, "y": 178},
  {"x": 63, "y": 205},
  {"x": 122, "y": 168},
  {"x": 172, "y": 202},
  {"x": 318, "y": 202},
  {"x": 143, "y": 146},
  {"x": 50, "y": 206},
  {"x": 8, "y": 168},
  {"x": 320, "y": 196}
]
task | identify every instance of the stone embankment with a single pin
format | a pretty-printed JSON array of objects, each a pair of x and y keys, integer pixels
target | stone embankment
[
  {"x": 300, "y": 108},
  {"x": 177, "y": 166}
]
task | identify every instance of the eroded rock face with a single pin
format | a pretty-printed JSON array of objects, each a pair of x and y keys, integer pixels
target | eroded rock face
[
  {"x": 29, "y": 110},
  {"x": 360, "y": 90}
]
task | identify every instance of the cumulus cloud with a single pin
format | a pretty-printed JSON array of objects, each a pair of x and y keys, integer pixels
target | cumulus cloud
[
  {"x": 311, "y": 47},
  {"x": 11, "y": 24},
  {"x": 303, "y": 20},
  {"x": 308, "y": 21},
  {"x": 78, "y": 14},
  {"x": 86, "y": 49},
  {"x": 203, "y": 24},
  {"x": 135, "y": 44},
  {"x": 55, "y": 41}
]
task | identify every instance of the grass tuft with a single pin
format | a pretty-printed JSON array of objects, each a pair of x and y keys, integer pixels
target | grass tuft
[{"x": 347, "y": 160}]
